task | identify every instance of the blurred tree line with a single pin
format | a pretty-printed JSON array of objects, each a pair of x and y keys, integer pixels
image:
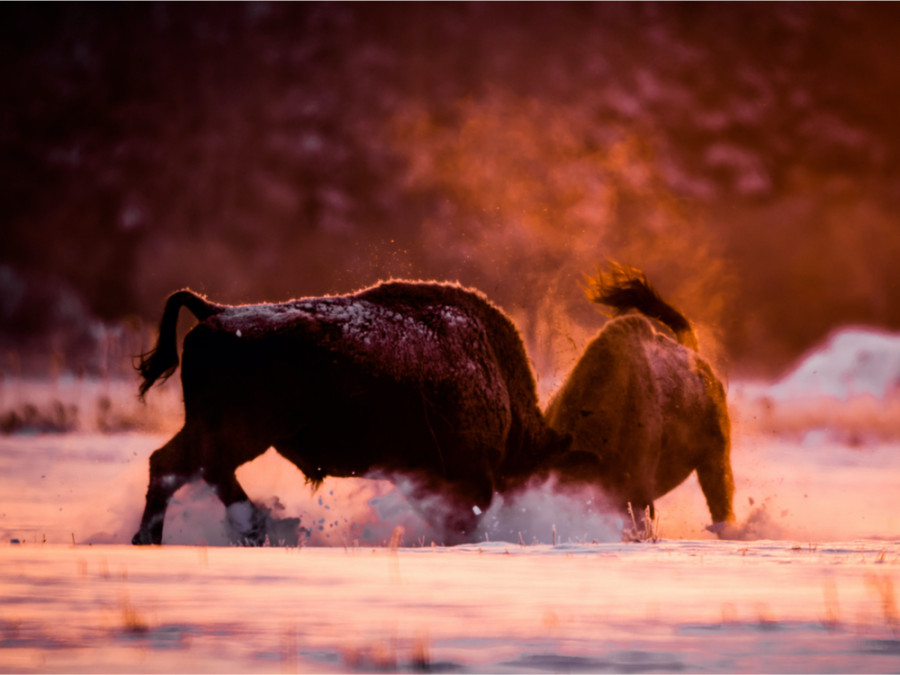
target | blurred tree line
[{"x": 744, "y": 155}]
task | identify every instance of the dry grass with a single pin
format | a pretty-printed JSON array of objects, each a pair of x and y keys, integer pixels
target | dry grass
[
  {"x": 883, "y": 586},
  {"x": 391, "y": 655},
  {"x": 396, "y": 538},
  {"x": 377, "y": 656},
  {"x": 832, "y": 618},
  {"x": 66, "y": 403},
  {"x": 647, "y": 531},
  {"x": 132, "y": 621}
]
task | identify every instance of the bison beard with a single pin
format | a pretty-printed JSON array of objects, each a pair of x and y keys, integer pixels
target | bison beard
[{"x": 425, "y": 380}]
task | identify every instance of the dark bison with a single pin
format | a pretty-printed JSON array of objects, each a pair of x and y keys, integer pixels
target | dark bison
[
  {"x": 426, "y": 380},
  {"x": 644, "y": 410}
]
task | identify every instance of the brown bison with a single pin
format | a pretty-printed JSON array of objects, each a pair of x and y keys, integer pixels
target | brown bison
[
  {"x": 425, "y": 380},
  {"x": 644, "y": 410}
]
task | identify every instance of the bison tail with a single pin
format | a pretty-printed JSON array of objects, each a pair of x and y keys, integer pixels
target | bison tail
[
  {"x": 162, "y": 360},
  {"x": 625, "y": 288}
]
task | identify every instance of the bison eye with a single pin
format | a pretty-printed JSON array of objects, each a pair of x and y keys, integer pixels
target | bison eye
[{"x": 585, "y": 413}]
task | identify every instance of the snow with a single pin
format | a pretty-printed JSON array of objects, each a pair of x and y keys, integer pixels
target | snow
[
  {"x": 851, "y": 362},
  {"x": 494, "y": 607},
  {"x": 813, "y": 590},
  {"x": 422, "y": 343},
  {"x": 548, "y": 587}
]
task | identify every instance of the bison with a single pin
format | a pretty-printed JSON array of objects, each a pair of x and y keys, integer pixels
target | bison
[
  {"x": 643, "y": 410},
  {"x": 421, "y": 379}
]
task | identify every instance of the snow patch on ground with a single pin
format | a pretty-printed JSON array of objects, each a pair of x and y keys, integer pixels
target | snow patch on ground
[{"x": 851, "y": 362}]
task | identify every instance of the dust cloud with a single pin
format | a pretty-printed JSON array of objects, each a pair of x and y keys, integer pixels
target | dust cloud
[{"x": 335, "y": 145}]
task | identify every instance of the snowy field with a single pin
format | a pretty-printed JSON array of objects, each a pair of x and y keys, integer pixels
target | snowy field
[
  {"x": 550, "y": 587},
  {"x": 674, "y": 606}
]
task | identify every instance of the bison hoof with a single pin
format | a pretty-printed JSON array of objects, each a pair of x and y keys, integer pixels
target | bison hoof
[
  {"x": 142, "y": 538},
  {"x": 724, "y": 530},
  {"x": 246, "y": 524}
]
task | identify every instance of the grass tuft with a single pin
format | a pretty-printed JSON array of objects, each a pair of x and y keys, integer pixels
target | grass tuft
[
  {"x": 884, "y": 587},
  {"x": 396, "y": 538},
  {"x": 392, "y": 655},
  {"x": 65, "y": 404},
  {"x": 832, "y": 620},
  {"x": 647, "y": 531},
  {"x": 132, "y": 621}
]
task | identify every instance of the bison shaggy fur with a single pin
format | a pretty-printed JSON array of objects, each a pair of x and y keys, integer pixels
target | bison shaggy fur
[
  {"x": 644, "y": 410},
  {"x": 424, "y": 380}
]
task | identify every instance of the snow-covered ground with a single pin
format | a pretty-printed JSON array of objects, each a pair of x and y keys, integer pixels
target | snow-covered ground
[
  {"x": 495, "y": 607},
  {"x": 809, "y": 588},
  {"x": 89, "y": 488}
]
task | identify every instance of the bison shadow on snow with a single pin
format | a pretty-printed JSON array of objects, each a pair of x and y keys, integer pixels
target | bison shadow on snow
[
  {"x": 431, "y": 382},
  {"x": 427, "y": 381}
]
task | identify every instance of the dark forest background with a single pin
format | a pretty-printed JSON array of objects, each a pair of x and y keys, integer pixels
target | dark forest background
[{"x": 747, "y": 156}]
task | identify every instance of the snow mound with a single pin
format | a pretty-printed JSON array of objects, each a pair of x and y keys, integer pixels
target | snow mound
[{"x": 851, "y": 362}]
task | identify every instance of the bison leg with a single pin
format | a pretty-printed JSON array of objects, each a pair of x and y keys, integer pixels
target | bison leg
[
  {"x": 717, "y": 483},
  {"x": 455, "y": 509},
  {"x": 170, "y": 469},
  {"x": 244, "y": 519}
]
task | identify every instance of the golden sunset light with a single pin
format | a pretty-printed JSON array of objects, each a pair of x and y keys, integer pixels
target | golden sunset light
[{"x": 449, "y": 337}]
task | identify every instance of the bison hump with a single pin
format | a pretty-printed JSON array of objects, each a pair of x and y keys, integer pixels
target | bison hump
[{"x": 424, "y": 343}]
